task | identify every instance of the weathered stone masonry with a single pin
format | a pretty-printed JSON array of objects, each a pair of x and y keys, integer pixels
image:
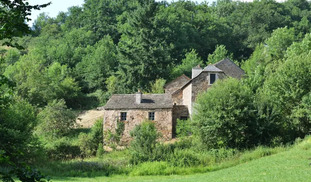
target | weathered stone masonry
[{"x": 163, "y": 121}]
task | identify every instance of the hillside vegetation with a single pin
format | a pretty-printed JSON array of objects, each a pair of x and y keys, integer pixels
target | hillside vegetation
[
  {"x": 77, "y": 60},
  {"x": 290, "y": 165}
]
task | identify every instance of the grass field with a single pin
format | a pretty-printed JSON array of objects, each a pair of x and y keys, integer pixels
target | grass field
[{"x": 291, "y": 165}]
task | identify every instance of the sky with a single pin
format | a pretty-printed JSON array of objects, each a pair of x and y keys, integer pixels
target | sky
[{"x": 62, "y": 6}]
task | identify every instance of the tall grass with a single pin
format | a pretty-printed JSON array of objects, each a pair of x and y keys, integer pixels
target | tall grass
[
  {"x": 179, "y": 159},
  {"x": 202, "y": 161}
]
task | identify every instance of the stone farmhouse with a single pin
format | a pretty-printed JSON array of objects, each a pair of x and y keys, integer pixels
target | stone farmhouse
[{"x": 164, "y": 109}]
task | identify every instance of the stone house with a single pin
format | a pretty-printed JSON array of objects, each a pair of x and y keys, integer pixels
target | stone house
[
  {"x": 133, "y": 109},
  {"x": 185, "y": 91},
  {"x": 164, "y": 109}
]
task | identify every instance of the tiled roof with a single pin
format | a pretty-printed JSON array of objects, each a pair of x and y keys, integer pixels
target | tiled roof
[
  {"x": 179, "y": 80},
  {"x": 149, "y": 101},
  {"x": 230, "y": 68}
]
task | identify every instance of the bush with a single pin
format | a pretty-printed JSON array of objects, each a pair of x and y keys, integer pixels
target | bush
[
  {"x": 55, "y": 120},
  {"x": 62, "y": 149},
  {"x": 100, "y": 151},
  {"x": 225, "y": 116},
  {"x": 112, "y": 139},
  {"x": 184, "y": 158},
  {"x": 144, "y": 142},
  {"x": 89, "y": 143},
  {"x": 183, "y": 128}
]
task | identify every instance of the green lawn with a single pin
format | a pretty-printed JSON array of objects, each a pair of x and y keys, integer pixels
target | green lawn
[{"x": 291, "y": 165}]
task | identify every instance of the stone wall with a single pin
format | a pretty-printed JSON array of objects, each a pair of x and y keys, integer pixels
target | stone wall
[
  {"x": 201, "y": 83},
  {"x": 163, "y": 122},
  {"x": 177, "y": 97}
]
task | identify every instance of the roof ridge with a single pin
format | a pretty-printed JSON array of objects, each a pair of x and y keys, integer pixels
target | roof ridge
[{"x": 183, "y": 75}]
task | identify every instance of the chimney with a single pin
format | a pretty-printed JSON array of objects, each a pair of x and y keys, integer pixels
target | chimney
[
  {"x": 138, "y": 97},
  {"x": 196, "y": 71}
]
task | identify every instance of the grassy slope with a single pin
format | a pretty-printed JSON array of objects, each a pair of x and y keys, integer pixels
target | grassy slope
[{"x": 292, "y": 165}]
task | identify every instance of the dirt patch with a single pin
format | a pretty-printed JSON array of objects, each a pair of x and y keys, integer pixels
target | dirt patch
[{"x": 87, "y": 119}]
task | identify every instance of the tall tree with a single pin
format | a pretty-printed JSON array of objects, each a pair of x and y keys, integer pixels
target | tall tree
[{"x": 143, "y": 55}]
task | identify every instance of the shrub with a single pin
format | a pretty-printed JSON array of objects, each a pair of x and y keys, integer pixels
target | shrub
[
  {"x": 183, "y": 128},
  {"x": 89, "y": 143},
  {"x": 100, "y": 151},
  {"x": 55, "y": 120},
  {"x": 225, "y": 116},
  {"x": 163, "y": 152},
  {"x": 63, "y": 149},
  {"x": 184, "y": 158},
  {"x": 112, "y": 139},
  {"x": 144, "y": 142}
]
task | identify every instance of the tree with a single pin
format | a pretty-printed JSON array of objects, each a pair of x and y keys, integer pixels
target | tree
[
  {"x": 40, "y": 84},
  {"x": 143, "y": 55},
  {"x": 219, "y": 54},
  {"x": 17, "y": 117},
  {"x": 99, "y": 64},
  {"x": 191, "y": 60},
  {"x": 12, "y": 18},
  {"x": 280, "y": 40},
  {"x": 157, "y": 87},
  {"x": 55, "y": 120},
  {"x": 225, "y": 117},
  {"x": 144, "y": 142}
]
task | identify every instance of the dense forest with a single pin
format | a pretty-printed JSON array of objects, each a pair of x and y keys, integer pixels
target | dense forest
[{"x": 78, "y": 59}]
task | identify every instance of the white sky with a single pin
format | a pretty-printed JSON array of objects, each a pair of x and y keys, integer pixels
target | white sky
[
  {"x": 52, "y": 10},
  {"x": 63, "y": 5}
]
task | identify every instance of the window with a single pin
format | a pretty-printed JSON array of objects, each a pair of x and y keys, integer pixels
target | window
[
  {"x": 212, "y": 78},
  {"x": 151, "y": 116},
  {"x": 123, "y": 116}
]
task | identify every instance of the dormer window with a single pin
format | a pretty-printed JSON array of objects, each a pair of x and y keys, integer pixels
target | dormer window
[{"x": 212, "y": 78}]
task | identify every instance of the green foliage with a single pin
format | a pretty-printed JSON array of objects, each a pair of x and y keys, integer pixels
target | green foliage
[
  {"x": 183, "y": 128},
  {"x": 91, "y": 143},
  {"x": 301, "y": 115},
  {"x": 219, "y": 54},
  {"x": 40, "y": 84},
  {"x": 191, "y": 60},
  {"x": 279, "y": 41},
  {"x": 98, "y": 64},
  {"x": 18, "y": 120},
  {"x": 85, "y": 145},
  {"x": 143, "y": 55},
  {"x": 55, "y": 120},
  {"x": 11, "y": 56},
  {"x": 282, "y": 93},
  {"x": 112, "y": 139},
  {"x": 14, "y": 13},
  {"x": 184, "y": 158},
  {"x": 144, "y": 142},
  {"x": 62, "y": 149},
  {"x": 100, "y": 151},
  {"x": 225, "y": 116},
  {"x": 85, "y": 169},
  {"x": 157, "y": 87}
]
